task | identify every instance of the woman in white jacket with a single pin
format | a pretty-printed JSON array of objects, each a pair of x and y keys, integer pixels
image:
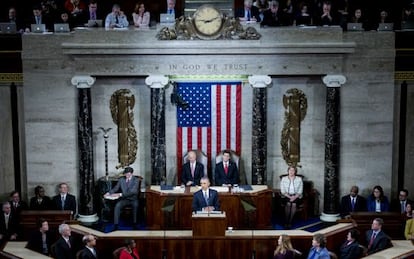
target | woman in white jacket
[{"x": 291, "y": 188}]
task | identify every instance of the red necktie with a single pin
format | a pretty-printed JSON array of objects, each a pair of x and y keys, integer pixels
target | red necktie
[
  {"x": 371, "y": 241},
  {"x": 226, "y": 168}
]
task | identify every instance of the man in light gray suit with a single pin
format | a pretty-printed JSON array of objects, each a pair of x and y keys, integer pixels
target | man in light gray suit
[{"x": 126, "y": 191}]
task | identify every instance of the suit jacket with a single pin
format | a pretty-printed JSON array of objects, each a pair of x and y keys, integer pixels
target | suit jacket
[
  {"x": 125, "y": 255},
  {"x": 396, "y": 205},
  {"x": 20, "y": 206},
  {"x": 63, "y": 251},
  {"x": 35, "y": 242},
  {"x": 199, "y": 202},
  {"x": 232, "y": 176},
  {"x": 129, "y": 191},
  {"x": 87, "y": 254},
  {"x": 351, "y": 251},
  {"x": 254, "y": 12},
  {"x": 46, "y": 203},
  {"x": 186, "y": 173},
  {"x": 346, "y": 206},
  {"x": 13, "y": 226},
  {"x": 70, "y": 203},
  {"x": 381, "y": 241},
  {"x": 385, "y": 205}
]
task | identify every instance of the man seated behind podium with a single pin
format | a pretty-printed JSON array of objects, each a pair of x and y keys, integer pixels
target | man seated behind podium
[
  {"x": 352, "y": 202},
  {"x": 128, "y": 195},
  {"x": 64, "y": 200},
  {"x": 192, "y": 171},
  {"x": 206, "y": 199},
  {"x": 226, "y": 172}
]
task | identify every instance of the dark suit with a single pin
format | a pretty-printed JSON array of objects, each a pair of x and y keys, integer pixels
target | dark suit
[
  {"x": 254, "y": 12},
  {"x": 351, "y": 251},
  {"x": 35, "y": 242},
  {"x": 45, "y": 204},
  {"x": 186, "y": 173},
  {"x": 70, "y": 203},
  {"x": 129, "y": 197},
  {"x": 16, "y": 210},
  {"x": 271, "y": 19},
  {"x": 346, "y": 205},
  {"x": 232, "y": 176},
  {"x": 381, "y": 242},
  {"x": 87, "y": 254},
  {"x": 63, "y": 251},
  {"x": 13, "y": 226},
  {"x": 396, "y": 205},
  {"x": 199, "y": 202}
]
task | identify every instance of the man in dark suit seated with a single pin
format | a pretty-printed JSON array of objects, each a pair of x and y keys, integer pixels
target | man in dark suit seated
[
  {"x": 40, "y": 201},
  {"x": 226, "y": 172},
  {"x": 206, "y": 199},
  {"x": 41, "y": 239},
  {"x": 9, "y": 224},
  {"x": 64, "y": 200},
  {"x": 249, "y": 13},
  {"x": 352, "y": 202},
  {"x": 192, "y": 171},
  {"x": 398, "y": 205},
  {"x": 64, "y": 247},
  {"x": 89, "y": 251},
  {"x": 376, "y": 239},
  {"x": 17, "y": 205},
  {"x": 126, "y": 191}
]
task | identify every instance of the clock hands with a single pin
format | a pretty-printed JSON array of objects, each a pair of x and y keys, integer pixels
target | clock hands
[{"x": 210, "y": 20}]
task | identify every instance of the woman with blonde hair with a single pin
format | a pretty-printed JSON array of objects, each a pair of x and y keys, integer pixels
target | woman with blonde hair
[{"x": 284, "y": 249}]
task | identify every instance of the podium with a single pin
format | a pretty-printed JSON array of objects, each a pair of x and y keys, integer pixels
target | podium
[{"x": 209, "y": 224}]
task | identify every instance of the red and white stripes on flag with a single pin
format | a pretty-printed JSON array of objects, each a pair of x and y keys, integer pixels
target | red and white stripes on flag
[{"x": 212, "y": 122}]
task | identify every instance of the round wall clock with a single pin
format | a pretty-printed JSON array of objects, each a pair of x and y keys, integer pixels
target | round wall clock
[{"x": 208, "y": 22}]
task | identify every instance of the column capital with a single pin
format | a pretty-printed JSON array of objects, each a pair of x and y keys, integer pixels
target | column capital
[
  {"x": 334, "y": 80},
  {"x": 83, "y": 81},
  {"x": 156, "y": 81},
  {"x": 259, "y": 81}
]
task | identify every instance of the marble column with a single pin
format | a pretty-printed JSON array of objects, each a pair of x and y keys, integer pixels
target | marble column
[
  {"x": 86, "y": 208},
  {"x": 259, "y": 127},
  {"x": 157, "y": 84},
  {"x": 332, "y": 146}
]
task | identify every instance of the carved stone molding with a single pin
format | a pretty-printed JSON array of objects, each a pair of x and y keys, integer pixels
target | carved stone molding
[
  {"x": 334, "y": 80},
  {"x": 260, "y": 81},
  {"x": 83, "y": 81},
  {"x": 156, "y": 81}
]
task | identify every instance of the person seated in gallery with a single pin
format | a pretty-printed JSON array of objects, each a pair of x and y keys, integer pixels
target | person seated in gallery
[
  {"x": 271, "y": 17},
  {"x": 318, "y": 249},
  {"x": 249, "y": 12},
  {"x": 303, "y": 18},
  {"x": 9, "y": 224},
  {"x": 41, "y": 239},
  {"x": 352, "y": 202},
  {"x": 192, "y": 170},
  {"x": 40, "y": 201},
  {"x": 130, "y": 250},
  {"x": 226, "y": 172},
  {"x": 140, "y": 16},
  {"x": 64, "y": 200},
  {"x": 358, "y": 18},
  {"x": 116, "y": 19},
  {"x": 399, "y": 204},
  {"x": 350, "y": 248},
  {"x": 376, "y": 239},
  {"x": 17, "y": 205},
  {"x": 205, "y": 199},
  {"x": 327, "y": 18},
  {"x": 126, "y": 192},
  {"x": 284, "y": 249},
  {"x": 66, "y": 246},
  {"x": 291, "y": 189},
  {"x": 409, "y": 229},
  {"x": 377, "y": 201}
]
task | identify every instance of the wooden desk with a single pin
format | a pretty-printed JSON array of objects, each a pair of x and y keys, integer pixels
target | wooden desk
[
  {"x": 14, "y": 250},
  {"x": 180, "y": 203},
  {"x": 206, "y": 224},
  {"x": 400, "y": 249},
  {"x": 393, "y": 223}
]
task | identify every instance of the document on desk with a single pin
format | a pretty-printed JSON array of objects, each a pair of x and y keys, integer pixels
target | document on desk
[{"x": 109, "y": 197}]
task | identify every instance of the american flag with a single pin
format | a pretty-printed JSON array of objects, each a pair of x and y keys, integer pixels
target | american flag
[{"x": 212, "y": 121}]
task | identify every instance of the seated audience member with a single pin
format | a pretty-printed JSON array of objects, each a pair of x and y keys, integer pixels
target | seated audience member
[
  {"x": 9, "y": 224},
  {"x": 248, "y": 13},
  {"x": 350, "y": 248},
  {"x": 318, "y": 249},
  {"x": 291, "y": 189},
  {"x": 352, "y": 202},
  {"x": 130, "y": 251},
  {"x": 287, "y": 12},
  {"x": 262, "y": 5},
  {"x": 358, "y": 18},
  {"x": 13, "y": 18},
  {"x": 408, "y": 211},
  {"x": 206, "y": 199},
  {"x": 65, "y": 18},
  {"x": 65, "y": 247},
  {"x": 384, "y": 17},
  {"x": 192, "y": 171},
  {"x": 171, "y": 9},
  {"x": 17, "y": 205},
  {"x": 126, "y": 190},
  {"x": 116, "y": 19},
  {"x": 140, "y": 17},
  {"x": 41, "y": 239},
  {"x": 89, "y": 251},
  {"x": 76, "y": 9},
  {"x": 408, "y": 13},
  {"x": 303, "y": 17},
  {"x": 64, "y": 200},
  {"x": 377, "y": 201},
  {"x": 284, "y": 249},
  {"x": 39, "y": 18},
  {"x": 271, "y": 17},
  {"x": 409, "y": 229},
  {"x": 226, "y": 172},
  {"x": 93, "y": 12},
  {"x": 327, "y": 17},
  {"x": 399, "y": 204},
  {"x": 376, "y": 239},
  {"x": 40, "y": 201}
]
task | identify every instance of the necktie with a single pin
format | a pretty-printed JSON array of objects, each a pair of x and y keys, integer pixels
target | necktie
[
  {"x": 63, "y": 202},
  {"x": 353, "y": 203},
  {"x": 226, "y": 168},
  {"x": 116, "y": 19},
  {"x": 127, "y": 182},
  {"x": 248, "y": 15},
  {"x": 94, "y": 252},
  {"x": 93, "y": 16},
  {"x": 37, "y": 19},
  {"x": 371, "y": 241},
  {"x": 68, "y": 242},
  {"x": 170, "y": 11},
  {"x": 192, "y": 170},
  {"x": 6, "y": 220},
  {"x": 206, "y": 197},
  {"x": 402, "y": 207}
]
